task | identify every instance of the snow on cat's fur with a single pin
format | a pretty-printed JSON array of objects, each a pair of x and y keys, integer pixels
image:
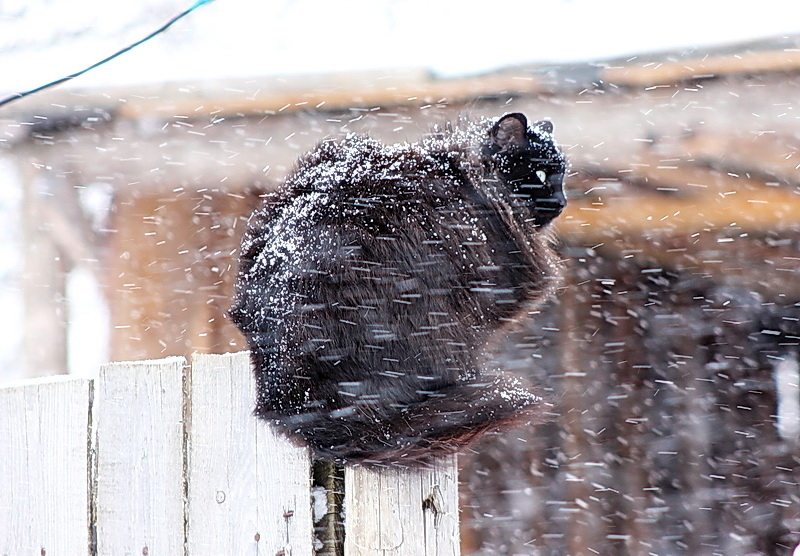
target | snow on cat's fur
[{"x": 372, "y": 285}]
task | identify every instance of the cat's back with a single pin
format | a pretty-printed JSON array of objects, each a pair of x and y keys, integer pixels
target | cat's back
[
  {"x": 357, "y": 184},
  {"x": 363, "y": 175}
]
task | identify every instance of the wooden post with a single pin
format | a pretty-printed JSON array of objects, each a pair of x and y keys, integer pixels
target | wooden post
[
  {"x": 44, "y": 280},
  {"x": 402, "y": 512},
  {"x": 329, "y": 527},
  {"x": 44, "y": 490},
  {"x": 139, "y": 498},
  {"x": 585, "y": 530},
  {"x": 249, "y": 489}
]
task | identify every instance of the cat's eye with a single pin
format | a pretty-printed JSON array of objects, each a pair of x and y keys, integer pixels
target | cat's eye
[{"x": 541, "y": 175}]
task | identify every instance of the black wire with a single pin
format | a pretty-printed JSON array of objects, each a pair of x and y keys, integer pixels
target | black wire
[{"x": 167, "y": 25}]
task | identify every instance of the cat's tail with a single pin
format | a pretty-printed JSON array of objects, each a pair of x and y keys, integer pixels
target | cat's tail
[{"x": 443, "y": 422}]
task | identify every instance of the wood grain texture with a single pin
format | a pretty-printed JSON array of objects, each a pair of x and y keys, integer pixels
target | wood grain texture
[
  {"x": 44, "y": 490},
  {"x": 704, "y": 67},
  {"x": 180, "y": 259},
  {"x": 140, "y": 458},
  {"x": 249, "y": 488},
  {"x": 402, "y": 512}
]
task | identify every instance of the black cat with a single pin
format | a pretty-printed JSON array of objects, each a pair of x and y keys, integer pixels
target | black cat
[{"x": 372, "y": 285}]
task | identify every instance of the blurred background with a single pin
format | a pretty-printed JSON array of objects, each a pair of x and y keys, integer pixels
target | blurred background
[{"x": 671, "y": 351}]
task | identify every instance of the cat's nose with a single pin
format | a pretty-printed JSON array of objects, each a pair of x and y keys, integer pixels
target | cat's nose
[{"x": 548, "y": 208}]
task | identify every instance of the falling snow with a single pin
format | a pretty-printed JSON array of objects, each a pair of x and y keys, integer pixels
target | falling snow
[{"x": 665, "y": 369}]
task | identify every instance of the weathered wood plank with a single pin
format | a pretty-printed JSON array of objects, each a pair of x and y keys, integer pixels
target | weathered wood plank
[
  {"x": 249, "y": 488},
  {"x": 399, "y": 512},
  {"x": 664, "y": 72},
  {"x": 590, "y": 222},
  {"x": 140, "y": 458},
  {"x": 233, "y": 97},
  {"x": 44, "y": 465}
]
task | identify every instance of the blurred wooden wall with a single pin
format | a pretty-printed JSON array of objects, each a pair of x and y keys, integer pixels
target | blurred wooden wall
[{"x": 172, "y": 272}]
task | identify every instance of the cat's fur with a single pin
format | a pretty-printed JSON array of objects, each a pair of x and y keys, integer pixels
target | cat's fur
[{"x": 371, "y": 285}]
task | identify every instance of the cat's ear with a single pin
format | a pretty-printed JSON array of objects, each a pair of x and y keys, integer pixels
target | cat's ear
[
  {"x": 510, "y": 131},
  {"x": 544, "y": 125}
]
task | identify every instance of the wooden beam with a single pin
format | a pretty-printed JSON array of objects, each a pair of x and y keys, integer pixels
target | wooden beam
[
  {"x": 772, "y": 153},
  {"x": 589, "y": 222},
  {"x": 273, "y": 94},
  {"x": 660, "y": 194},
  {"x": 668, "y": 72},
  {"x": 668, "y": 175},
  {"x": 372, "y": 93}
]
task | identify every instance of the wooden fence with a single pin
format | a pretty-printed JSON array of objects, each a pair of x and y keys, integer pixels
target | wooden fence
[{"x": 163, "y": 458}]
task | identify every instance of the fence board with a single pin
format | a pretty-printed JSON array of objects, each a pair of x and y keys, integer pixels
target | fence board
[
  {"x": 249, "y": 489},
  {"x": 139, "y": 440},
  {"x": 44, "y": 463},
  {"x": 153, "y": 459},
  {"x": 401, "y": 512}
]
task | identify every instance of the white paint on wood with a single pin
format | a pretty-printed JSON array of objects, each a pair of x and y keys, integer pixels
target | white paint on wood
[
  {"x": 44, "y": 467},
  {"x": 402, "y": 512},
  {"x": 249, "y": 488},
  {"x": 139, "y": 443}
]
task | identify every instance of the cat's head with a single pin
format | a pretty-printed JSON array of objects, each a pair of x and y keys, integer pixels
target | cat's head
[{"x": 530, "y": 163}]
